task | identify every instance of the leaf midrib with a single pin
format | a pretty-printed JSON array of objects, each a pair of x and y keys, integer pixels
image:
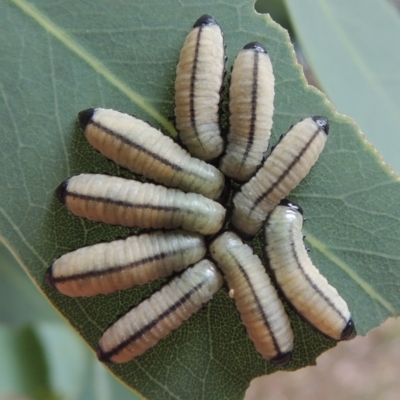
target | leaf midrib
[{"x": 98, "y": 67}]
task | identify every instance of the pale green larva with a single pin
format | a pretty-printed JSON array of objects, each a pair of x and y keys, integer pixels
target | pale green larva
[
  {"x": 125, "y": 202},
  {"x": 107, "y": 267},
  {"x": 251, "y": 106},
  {"x": 256, "y": 299},
  {"x": 138, "y": 146},
  {"x": 153, "y": 319},
  {"x": 300, "y": 281},
  {"x": 289, "y": 162},
  {"x": 199, "y": 77}
]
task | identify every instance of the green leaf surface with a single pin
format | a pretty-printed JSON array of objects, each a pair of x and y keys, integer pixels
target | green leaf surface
[
  {"x": 73, "y": 371},
  {"x": 59, "y": 59},
  {"x": 47, "y": 361},
  {"x": 352, "y": 47},
  {"x": 20, "y": 302},
  {"x": 23, "y": 369},
  {"x": 61, "y": 366}
]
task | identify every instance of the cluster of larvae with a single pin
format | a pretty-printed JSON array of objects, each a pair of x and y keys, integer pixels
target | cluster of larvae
[{"x": 183, "y": 206}]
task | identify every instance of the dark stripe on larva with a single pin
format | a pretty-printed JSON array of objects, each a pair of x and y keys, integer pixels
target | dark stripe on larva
[
  {"x": 309, "y": 280},
  {"x": 106, "y": 356},
  {"x": 259, "y": 306},
  {"x": 138, "y": 147},
  {"x": 286, "y": 172},
  {"x": 254, "y": 98},
  {"x": 113, "y": 269},
  {"x": 121, "y": 203},
  {"x": 193, "y": 82}
]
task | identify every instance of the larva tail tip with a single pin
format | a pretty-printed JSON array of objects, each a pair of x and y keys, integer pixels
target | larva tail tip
[
  {"x": 101, "y": 355},
  {"x": 256, "y": 46},
  {"x": 289, "y": 204},
  {"x": 243, "y": 235},
  {"x": 204, "y": 20},
  {"x": 61, "y": 191},
  {"x": 85, "y": 117},
  {"x": 297, "y": 208},
  {"x": 49, "y": 276},
  {"x": 285, "y": 202},
  {"x": 349, "y": 331},
  {"x": 282, "y": 358},
  {"x": 322, "y": 122}
]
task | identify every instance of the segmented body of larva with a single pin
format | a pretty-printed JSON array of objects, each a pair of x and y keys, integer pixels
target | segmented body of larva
[
  {"x": 199, "y": 77},
  {"x": 256, "y": 299},
  {"x": 125, "y": 202},
  {"x": 154, "y": 318},
  {"x": 107, "y": 267},
  {"x": 138, "y": 146},
  {"x": 302, "y": 284},
  {"x": 289, "y": 162},
  {"x": 251, "y": 106}
]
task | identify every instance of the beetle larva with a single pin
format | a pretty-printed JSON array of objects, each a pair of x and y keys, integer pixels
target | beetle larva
[
  {"x": 154, "y": 318},
  {"x": 138, "y": 146},
  {"x": 199, "y": 77},
  {"x": 289, "y": 162},
  {"x": 251, "y": 106},
  {"x": 256, "y": 299},
  {"x": 302, "y": 284},
  {"x": 125, "y": 202},
  {"x": 107, "y": 267}
]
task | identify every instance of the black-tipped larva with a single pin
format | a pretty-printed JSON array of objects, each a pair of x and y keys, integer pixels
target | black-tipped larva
[
  {"x": 138, "y": 146},
  {"x": 301, "y": 282},
  {"x": 107, "y": 267},
  {"x": 289, "y": 162},
  {"x": 199, "y": 77},
  {"x": 251, "y": 106},
  {"x": 154, "y": 318},
  {"x": 256, "y": 299},
  {"x": 125, "y": 202}
]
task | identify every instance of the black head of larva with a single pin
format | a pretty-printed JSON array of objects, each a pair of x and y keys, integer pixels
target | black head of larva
[
  {"x": 322, "y": 122},
  {"x": 101, "y": 356},
  {"x": 85, "y": 117},
  {"x": 205, "y": 20},
  {"x": 349, "y": 331},
  {"x": 282, "y": 358},
  {"x": 293, "y": 206},
  {"x": 49, "y": 276},
  {"x": 61, "y": 191},
  {"x": 255, "y": 46}
]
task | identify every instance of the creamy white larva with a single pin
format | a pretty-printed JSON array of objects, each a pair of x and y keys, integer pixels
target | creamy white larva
[
  {"x": 302, "y": 284},
  {"x": 153, "y": 319},
  {"x": 136, "y": 145},
  {"x": 107, "y": 267},
  {"x": 289, "y": 162},
  {"x": 125, "y": 202},
  {"x": 251, "y": 106},
  {"x": 199, "y": 77},
  {"x": 256, "y": 299}
]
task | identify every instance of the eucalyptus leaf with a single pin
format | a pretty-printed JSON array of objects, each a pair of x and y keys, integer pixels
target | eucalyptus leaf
[
  {"x": 20, "y": 302},
  {"x": 41, "y": 356},
  {"x": 59, "y": 59},
  {"x": 352, "y": 47},
  {"x": 23, "y": 367}
]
